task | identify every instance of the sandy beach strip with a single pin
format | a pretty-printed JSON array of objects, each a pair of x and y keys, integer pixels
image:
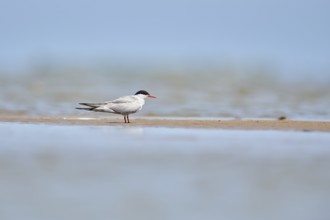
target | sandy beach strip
[{"x": 180, "y": 123}]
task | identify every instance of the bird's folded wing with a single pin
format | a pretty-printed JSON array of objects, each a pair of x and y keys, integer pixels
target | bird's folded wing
[{"x": 124, "y": 99}]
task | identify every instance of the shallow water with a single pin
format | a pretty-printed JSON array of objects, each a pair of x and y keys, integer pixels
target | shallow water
[
  {"x": 189, "y": 93},
  {"x": 98, "y": 172}
]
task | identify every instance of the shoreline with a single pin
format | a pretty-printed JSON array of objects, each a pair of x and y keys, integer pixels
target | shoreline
[{"x": 236, "y": 124}]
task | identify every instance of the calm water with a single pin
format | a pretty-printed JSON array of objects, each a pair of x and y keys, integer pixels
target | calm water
[
  {"x": 122, "y": 173},
  {"x": 195, "y": 92}
]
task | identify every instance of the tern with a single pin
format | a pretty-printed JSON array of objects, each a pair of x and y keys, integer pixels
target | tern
[{"x": 124, "y": 105}]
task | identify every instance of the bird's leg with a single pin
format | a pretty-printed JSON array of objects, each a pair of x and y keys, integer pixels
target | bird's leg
[
  {"x": 128, "y": 119},
  {"x": 125, "y": 118}
]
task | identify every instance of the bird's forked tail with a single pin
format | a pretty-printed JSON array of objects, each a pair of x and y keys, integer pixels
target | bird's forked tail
[{"x": 90, "y": 106}]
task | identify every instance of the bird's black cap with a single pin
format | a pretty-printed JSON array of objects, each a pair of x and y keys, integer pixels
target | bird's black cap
[{"x": 143, "y": 92}]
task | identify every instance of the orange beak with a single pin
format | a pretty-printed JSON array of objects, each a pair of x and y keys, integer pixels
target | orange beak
[{"x": 151, "y": 96}]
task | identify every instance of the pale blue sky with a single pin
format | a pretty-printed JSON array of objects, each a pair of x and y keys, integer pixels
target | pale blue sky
[{"x": 284, "y": 33}]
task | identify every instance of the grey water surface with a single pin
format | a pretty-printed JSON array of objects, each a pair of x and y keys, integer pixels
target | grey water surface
[{"x": 99, "y": 172}]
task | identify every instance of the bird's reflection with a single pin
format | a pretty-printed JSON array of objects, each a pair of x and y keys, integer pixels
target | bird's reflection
[{"x": 136, "y": 131}]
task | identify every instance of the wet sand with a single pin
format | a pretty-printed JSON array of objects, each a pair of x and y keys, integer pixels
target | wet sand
[{"x": 283, "y": 125}]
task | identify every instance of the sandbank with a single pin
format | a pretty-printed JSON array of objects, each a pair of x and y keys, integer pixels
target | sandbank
[{"x": 244, "y": 124}]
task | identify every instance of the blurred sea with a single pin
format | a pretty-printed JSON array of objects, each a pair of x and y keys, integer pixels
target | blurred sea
[
  {"x": 123, "y": 173},
  {"x": 198, "y": 91}
]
